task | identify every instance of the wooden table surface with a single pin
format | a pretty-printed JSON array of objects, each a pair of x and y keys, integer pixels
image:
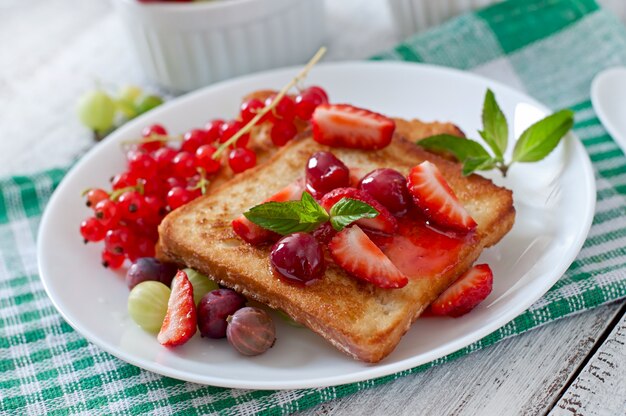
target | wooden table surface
[{"x": 53, "y": 50}]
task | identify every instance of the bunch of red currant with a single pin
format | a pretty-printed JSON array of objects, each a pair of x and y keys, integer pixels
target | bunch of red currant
[{"x": 162, "y": 176}]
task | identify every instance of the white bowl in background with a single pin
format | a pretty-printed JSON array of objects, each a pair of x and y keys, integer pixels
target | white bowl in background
[
  {"x": 184, "y": 46},
  {"x": 411, "y": 16}
]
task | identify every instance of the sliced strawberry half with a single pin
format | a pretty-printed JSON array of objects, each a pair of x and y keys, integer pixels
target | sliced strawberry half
[
  {"x": 342, "y": 125},
  {"x": 354, "y": 252},
  {"x": 466, "y": 293},
  {"x": 255, "y": 235},
  {"x": 180, "y": 321},
  {"x": 436, "y": 199},
  {"x": 384, "y": 221}
]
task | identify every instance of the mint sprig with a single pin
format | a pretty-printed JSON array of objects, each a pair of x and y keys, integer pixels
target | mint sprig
[
  {"x": 534, "y": 144},
  {"x": 306, "y": 214}
]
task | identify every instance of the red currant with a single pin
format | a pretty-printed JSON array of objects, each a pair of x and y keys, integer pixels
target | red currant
[
  {"x": 178, "y": 196},
  {"x": 107, "y": 212},
  {"x": 308, "y": 100},
  {"x": 148, "y": 132},
  {"x": 184, "y": 164},
  {"x": 230, "y": 128},
  {"x": 153, "y": 209},
  {"x": 282, "y": 131},
  {"x": 119, "y": 240},
  {"x": 143, "y": 247},
  {"x": 123, "y": 180},
  {"x": 214, "y": 130},
  {"x": 92, "y": 230},
  {"x": 194, "y": 139},
  {"x": 96, "y": 195},
  {"x": 163, "y": 158},
  {"x": 141, "y": 164},
  {"x": 131, "y": 205},
  {"x": 112, "y": 261},
  {"x": 285, "y": 108},
  {"x": 240, "y": 159},
  {"x": 250, "y": 108},
  {"x": 204, "y": 158}
]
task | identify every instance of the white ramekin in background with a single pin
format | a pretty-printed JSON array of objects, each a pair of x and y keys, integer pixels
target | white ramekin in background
[
  {"x": 411, "y": 16},
  {"x": 184, "y": 46}
]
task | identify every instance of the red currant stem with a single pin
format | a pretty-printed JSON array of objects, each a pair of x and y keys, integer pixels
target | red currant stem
[
  {"x": 245, "y": 129},
  {"x": 202, "y": 183},
  {"x": 118, "y": 192},
  {"x": 154, "y": 138}
]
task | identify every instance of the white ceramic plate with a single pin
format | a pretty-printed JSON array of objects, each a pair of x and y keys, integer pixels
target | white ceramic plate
[
  {"x": 608, "y": 96},
  {"x": 554, "y": 200}
]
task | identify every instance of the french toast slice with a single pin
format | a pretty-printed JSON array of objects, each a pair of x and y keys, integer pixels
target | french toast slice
[{"x": 358, "y": 318}]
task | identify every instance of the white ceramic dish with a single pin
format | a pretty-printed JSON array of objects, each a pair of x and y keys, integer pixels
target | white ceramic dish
[
  {"x": 185, "y": 46},
  {"x": 554, "y": 200},
  {"x": 608, "y": 96}
]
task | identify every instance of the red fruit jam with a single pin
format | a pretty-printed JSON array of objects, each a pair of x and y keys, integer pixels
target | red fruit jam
[{"x": 421, "y": 251}]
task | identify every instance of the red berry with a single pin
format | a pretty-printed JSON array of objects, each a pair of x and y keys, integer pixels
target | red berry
[
  {"x": 298, "y": 258},
  {"x": 178, "y": 196},
  {"x": 141, "y": 164},
  {"x": 285, "y": 108},
  {"x": 204, "y": 159},
  {"x": 143, "y": 247},
  {"x": 131, "y": 205},
  {"x": 153, "y": 209},
  {"x": 180, "y": 322},
  {"x": 357, "y": 254},
  {"x": 230, "y": 128},
  {"x": 314, "y": 89},
  {"x": 214, "y": 129},
  {"x": 119, "y": 241},
  {"x": 308, "y": 100},
  {"x": 466, "y": 293},
  {"x": 111, "y": 260},
  {"x": 92, "y": 230},
  {"x": 154, "y": 129},
  {"x": 173, "y": 182},
  {"x": 148, "y": 132},
  {"x": 325, "y": 172},
  {"x": 123, "y": 180},
  {"x": 108, "y": 213},
  {"x": 250, "y": 108},
  {"x": 164, "y": 158},
  {"x": 434, "y": 196},
  {"x": 96, "y": 195},
  {"x": 184, "y": 164},
  {"x": 282, "y": 131},
  {"x": 388, "y": 186},
  {"x": 241, "y": 159},
  {"x": 194, "y": 139}
]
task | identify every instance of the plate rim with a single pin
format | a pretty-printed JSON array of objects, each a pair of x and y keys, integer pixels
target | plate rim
[{"x": 370, "y": 371}]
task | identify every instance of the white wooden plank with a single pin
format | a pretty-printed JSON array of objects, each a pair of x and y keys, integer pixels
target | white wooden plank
[
  {"x": 600, "y": 389},
  {"x": 523, "y": 375}
]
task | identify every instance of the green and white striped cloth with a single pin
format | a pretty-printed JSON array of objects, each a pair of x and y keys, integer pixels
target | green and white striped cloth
[{"x": 549, "y": 48}]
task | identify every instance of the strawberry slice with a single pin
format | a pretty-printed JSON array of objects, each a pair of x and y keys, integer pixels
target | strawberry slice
[
  {"x": 353, "y": 250},
  {"x": 180, "y": 321},
  {"x": 384, "y": 221},
  {"x": 342, "y": 125},
  {"x": 436, "y": 199},
  {"x": 255, "y": 235},
  {"x": 468, "y": 291}
]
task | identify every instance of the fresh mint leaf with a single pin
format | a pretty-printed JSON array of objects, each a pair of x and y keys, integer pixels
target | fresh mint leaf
[
  {"x": 461, "y": 148},
  {"x": 537, "y": 141},
  {"x": 495, "y": 128},
  {"x": 473, "y": 164},
  {"x": 288, "y": 217},
  {"x": 311, "y": 209},
  {"x": 348, "y": 210}
]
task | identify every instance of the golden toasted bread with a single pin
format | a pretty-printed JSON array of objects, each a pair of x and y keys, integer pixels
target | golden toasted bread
[{"x": 358, "y": 318}]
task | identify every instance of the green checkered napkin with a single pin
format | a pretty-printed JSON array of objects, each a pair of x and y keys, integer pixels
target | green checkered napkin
[{"x": 550, "y": 48}]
